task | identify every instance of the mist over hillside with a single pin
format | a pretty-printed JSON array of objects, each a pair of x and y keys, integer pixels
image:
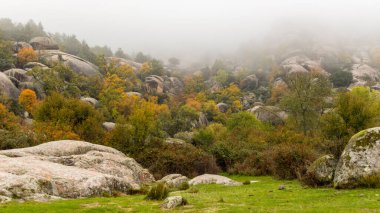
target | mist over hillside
[{"x": 195, "y": 30}]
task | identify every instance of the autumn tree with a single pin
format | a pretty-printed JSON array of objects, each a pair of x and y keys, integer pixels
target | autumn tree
[
  {"x": 26, "y": 55},
  {"x": 27, "y": 99},
  {"x": 8, "y": 120}
]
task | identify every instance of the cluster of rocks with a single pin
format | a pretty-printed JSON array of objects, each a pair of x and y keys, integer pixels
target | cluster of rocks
[
  {"x": 155, "y": 84},
  {"x": 357, "y": 166}
]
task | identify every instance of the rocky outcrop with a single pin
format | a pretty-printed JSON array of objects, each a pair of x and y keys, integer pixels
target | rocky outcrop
[
  {"x": 90, "y": 100},
  {"x": 249, "y": 82},
  {"x": 109, "y": 126},
  {"x": 362, "y": 74},
  {"x": 43, "y": 43},
  {"x": 248, "y": 100},
  {"x": 322, "y": 170},
  {"x": 7, "y": 87},
  {"x": 68, "y": 169},
  {"x": 269, "y": 114},
  {"x": 172, "y": 202},
  {"x": 174, "y": 141},
  {"x": 78, "y": 65},
  {"x": 174, "y": 180},
  {"x": 130, "y": 94},
  {"x": 223, "y": 107},
  {"x": 154, "y": 84},
  {"x": 301, "y": 63},
  {"x": 122, "y": 61},
  {"x": 359, "y": 164},
  {"x": 173, "y": 85},
  {"x": 213, "y": 179},
  {"x": 202, "y": 120},
  {"x": 17, "y": 76},
  {"x": 18, "y": 45}
]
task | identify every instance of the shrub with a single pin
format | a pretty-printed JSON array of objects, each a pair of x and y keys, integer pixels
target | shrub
[
  {"x": 341, "y": 78},
  {"x": 193, "y": 190},
  {"x": 247, "y": 182},
  {"x": 289, "y": 160},
  {"x": 183, "y": 159},
  {"x": 184, "y": 186},
  {"x": 70, "y": 115},
  {"x": 158, "y": 191},
  {"x": 15, "y": 139}
]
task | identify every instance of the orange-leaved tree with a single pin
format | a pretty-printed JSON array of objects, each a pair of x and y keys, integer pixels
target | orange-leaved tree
[
  {"x": 26, "y": 55},
  {"x": 27, "y": 99}
]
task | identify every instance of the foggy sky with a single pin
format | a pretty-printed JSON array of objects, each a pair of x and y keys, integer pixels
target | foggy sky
[{"x": 184, "y": 28}]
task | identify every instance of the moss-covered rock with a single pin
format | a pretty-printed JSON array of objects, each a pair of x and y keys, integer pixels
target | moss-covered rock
[
  {"x": 359, "y": 164},
  {"x": 321, "y": 171}
]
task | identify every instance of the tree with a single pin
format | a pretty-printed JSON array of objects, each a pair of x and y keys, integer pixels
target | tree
[
  {"x": 305, "y": 99},
  {"x": 222, "y": 77},
  {"x": 341, "y": 78},
  {"x": 6, "y": 55},
  {"x": 120, "y": 54},
  {"x": 26, "y": 55},
  {"x": 141, "y": 58},
  {"x": 27, "y": 99}
]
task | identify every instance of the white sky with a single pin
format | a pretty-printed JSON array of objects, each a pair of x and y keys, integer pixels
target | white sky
[{"x": 166, "y": 28}]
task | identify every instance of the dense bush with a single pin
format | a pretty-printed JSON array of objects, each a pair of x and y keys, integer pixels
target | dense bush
[
  {"x": 70, "y": 115},
  {"x": 15, "y": 139},
  {"x": 183, "y": 159},
  {"x": 289, "y": 160},
  {"x": 341, "y": 78}
]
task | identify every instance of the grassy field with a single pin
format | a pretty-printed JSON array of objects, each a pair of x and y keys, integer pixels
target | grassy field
[{"x": 262, "y": 196}]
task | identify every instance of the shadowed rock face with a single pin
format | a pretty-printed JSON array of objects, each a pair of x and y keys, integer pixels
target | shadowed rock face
[
  {"x": 68, "y": 169},
  {"x": 7, "y": 88},
  {"x": 359, "y": 164},
  {"x": 77, "y": 64},
  {"x": 18, "y": 45},
  {"x": 154, "y": 84}
]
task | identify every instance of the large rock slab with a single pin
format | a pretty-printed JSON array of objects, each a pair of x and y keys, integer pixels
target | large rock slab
[
  {"x": 213, "y": 179},
  {"x": 76, "y": 63},
  {"x": 68, "y": 169},
  {"x": 359, "y": 164}
]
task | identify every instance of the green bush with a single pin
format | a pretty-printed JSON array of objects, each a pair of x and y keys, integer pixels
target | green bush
[
  {"x": 15, "y": 139},
  {"x": 184, "y": 186},
  {"x": 158, "y": 191}
]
